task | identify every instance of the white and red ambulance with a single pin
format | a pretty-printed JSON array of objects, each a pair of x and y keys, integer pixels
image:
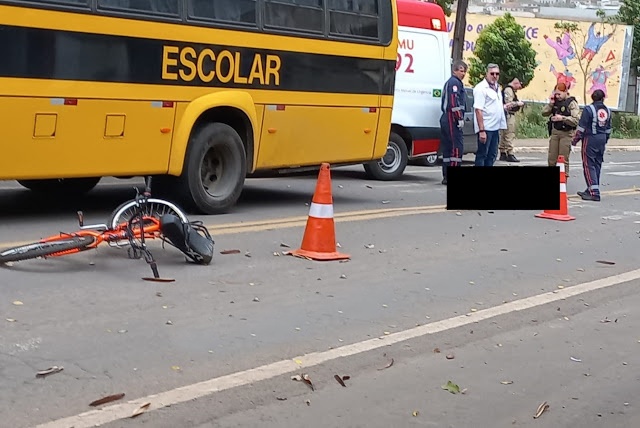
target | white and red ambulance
[{"x": 422, "y": 68}]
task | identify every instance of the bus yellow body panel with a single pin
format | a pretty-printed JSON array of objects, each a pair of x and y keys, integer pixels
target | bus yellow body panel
[{"x": 239, "y": 100}]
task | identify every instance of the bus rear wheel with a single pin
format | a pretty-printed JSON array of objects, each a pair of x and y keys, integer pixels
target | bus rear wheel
[
  {"x": 215, "y": 169},
  {"x": 65, "y": 186},
  {"x": 392, "y": 164}
]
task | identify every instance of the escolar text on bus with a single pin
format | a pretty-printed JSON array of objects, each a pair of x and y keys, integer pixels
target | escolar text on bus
[{"x": 188, "y": 64}]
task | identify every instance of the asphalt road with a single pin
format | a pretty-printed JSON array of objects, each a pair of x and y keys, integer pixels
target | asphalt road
[{"x": 509, "y": 296}]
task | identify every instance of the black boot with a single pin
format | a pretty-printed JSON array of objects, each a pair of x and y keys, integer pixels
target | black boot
[
  {"x": 503, "y": 157},
  {"x": 512, "y": 158}
]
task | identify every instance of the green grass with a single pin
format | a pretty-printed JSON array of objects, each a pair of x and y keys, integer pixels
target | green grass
[{"x": 531, "y": 124}]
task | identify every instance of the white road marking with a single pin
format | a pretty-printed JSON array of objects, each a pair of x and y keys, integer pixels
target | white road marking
[
  {"x": 625, "y": 173},
  {"x": 197, "y": 390}
]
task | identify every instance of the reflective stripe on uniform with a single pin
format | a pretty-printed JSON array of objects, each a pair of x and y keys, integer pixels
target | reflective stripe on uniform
[
  {"x": 594, "y": 187},
  {"x": 457, "y": 108},
  {"x": 580, "y": 128},
  {"x": 321, "y": 210},
  {"x": 455, "y": 159},
  {"x": 594, "y": 120},
  {"x": 608, "y": 131},
  {"x": 445, "y": 159}
]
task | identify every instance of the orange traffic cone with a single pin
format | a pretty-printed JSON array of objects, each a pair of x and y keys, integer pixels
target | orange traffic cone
[
  {"x": 563, "y": 213},
  {"x": 319, "y": 241}
]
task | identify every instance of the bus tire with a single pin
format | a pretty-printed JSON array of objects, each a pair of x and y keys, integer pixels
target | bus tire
[
  {"x": 392, "y": 165},
  {"x": 62, "y": 186},
  {"x": 215, "y": 168}
]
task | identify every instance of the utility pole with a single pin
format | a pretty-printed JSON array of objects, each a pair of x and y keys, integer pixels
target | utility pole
[{"x": 459, "y": 29}]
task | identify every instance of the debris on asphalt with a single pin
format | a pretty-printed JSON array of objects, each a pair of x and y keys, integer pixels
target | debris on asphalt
[
  {"x": 385, "y": 202},
  {"x": 304, "y": 378},
  {"x": 369, "y": 246},
  {"x": 18, "y": 303},
  {"x": 10, "y": 319},
  {"x": 451, "y": 387},
  {"x": 343, "y": 276},
  {"x": 175, "y": 368},
  {"x": 107, "y": 399},
  {"x": 577, "y": 360},
  {"x": 436, "y": 350},
  {"x": 340, "y": 381},
  {"x": 450, "y": 356},
  {"x": 415, "y": 413},
  {"x": 388, "y": 365},
  {"x": 503, "y": 249},
  {"x": 605, "y": 262},
  {"x": 541, "y": 409},
  {"x": 307, "y": 402},
  {"x": 247, "y": 254},
  {"x": 506, "y": 382},
  {"x": 255, "y": 299},
  {"x": 230, "y": 252},
  {"x": 49, "y": 371},
  {"x": 140, "y": 410},
  {"x": 282, "y": 244},
  {"x": 281, "y": 398},
  {"x": 169, "y": 322},
  {"x": 158, "y": 294},
  {"x": 606, "y": 319}
]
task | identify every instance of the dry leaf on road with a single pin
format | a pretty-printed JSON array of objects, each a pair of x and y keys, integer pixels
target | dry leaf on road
[
  {"x": 49, "y": 371},
  {"x": 340, "y": 381},
  {"x": 541, "y": 409},
  {"x": 388, "y": 365},
  {"x": 107, "y": 399},
  {"x": 230, "y": 252},
  {"x": 140, "y": 410}
]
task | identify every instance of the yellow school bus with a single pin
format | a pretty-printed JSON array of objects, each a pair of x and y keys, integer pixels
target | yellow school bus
[{"x": 197, "y": 93}]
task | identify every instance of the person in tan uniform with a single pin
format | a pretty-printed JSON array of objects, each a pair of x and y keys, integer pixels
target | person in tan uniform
[
  {"x": 511, "y": 106},
  {"x": 564, "y": 114}
]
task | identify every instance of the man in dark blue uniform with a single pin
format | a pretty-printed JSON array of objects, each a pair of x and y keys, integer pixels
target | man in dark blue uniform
[
  {"x": 594, "y": 129},
  {"x": 452, "y": 119}
]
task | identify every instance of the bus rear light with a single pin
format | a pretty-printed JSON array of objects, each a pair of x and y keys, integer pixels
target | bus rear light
[
  {"x": 436, "y": 24},
  {"x": 165, "y": 130},
  {"x": 71, "y": 101},
  {"x": 167, "y": 104},
  {"x": 280, "y": 107}
]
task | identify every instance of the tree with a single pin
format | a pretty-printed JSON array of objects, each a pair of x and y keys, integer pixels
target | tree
[
  {"x": 629, "y": 14},
  {"x": 503, "y": 42},
  {"x": 446, "y": 6},
  {"x": 578, "y": 39}
]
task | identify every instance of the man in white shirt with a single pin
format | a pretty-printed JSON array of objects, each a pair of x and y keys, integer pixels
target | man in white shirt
[{"x": 489, "y": 116}]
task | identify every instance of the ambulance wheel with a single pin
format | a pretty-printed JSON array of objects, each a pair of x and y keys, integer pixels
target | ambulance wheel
[
  {"x": 392, "y": 164},
  {"x": 431, "y": 160}
]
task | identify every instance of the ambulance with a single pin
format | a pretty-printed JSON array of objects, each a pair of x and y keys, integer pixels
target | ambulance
[{"x": 423, "y": 66}]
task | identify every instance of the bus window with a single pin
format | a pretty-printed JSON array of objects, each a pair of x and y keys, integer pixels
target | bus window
[
  {"x": 291, "y": 14},
  {"x": 243, "y": 11},
  {"x": 154, "y": 7},
  {"x": 354, "y": 18},
  {"x": 64, "y": 2}
]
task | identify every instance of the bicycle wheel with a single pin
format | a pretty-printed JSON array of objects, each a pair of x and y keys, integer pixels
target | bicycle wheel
[
  {"x": 155, "y": 208},
  {"x": 41, "y": 249}
]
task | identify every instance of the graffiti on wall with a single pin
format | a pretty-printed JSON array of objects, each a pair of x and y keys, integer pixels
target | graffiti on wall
[{"x": 602, "y": 47}]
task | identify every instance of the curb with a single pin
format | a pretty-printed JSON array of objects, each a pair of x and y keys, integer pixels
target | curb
[{"x": 545, "y": 149}]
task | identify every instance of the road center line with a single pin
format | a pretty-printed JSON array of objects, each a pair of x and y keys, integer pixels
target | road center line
[
  {"x": 299, "y": 221},
  {"x": 201, "y": 389}
]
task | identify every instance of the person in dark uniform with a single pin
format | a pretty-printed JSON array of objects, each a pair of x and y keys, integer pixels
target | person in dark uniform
[
  {"x": 452, "y": 119},
  {"x": 594, "y": 129}
]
